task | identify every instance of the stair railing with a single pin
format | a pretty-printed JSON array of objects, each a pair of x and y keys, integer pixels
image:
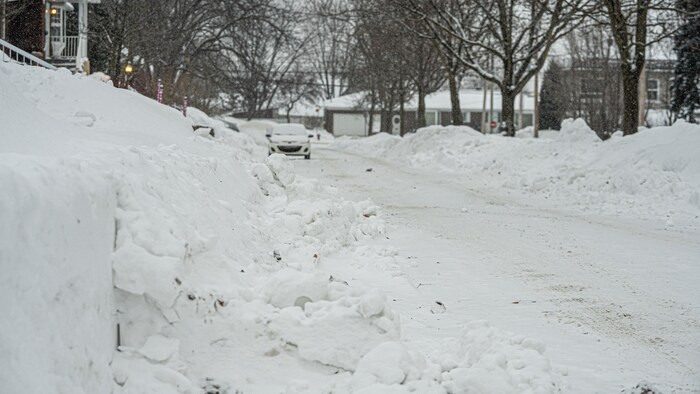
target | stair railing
[{"x": 9, "y": 52}]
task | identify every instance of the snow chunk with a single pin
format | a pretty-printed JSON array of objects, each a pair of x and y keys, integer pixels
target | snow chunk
[
  {"x": 489, "y": 360},
  {"x": 288, "y": 286},
  {"x": 335, "y": 332},
  {"x": 281, "y": 168},
  {"x": 134, "y": 374},
  {"x": 577, "y": 131},
  {"x": 388, "y": 363},
  {"x": 372, "y": 304},
  {"x": 159, "y": 348},
  {"x": 139, "y": 272}
]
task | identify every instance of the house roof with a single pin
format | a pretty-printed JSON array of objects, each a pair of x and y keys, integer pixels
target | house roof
[
  {"x": 469, "y": 99},
  {"x": 303, "y": 108}
]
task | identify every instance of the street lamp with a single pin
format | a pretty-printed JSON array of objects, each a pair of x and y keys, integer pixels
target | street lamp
[{"x": 128, "y": 69}]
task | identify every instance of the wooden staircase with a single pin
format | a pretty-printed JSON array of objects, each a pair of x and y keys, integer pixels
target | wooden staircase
[{"x": 10, "y": 53}]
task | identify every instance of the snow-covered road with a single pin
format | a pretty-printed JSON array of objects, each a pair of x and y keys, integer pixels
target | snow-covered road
[{"x": 615, "y": 300}]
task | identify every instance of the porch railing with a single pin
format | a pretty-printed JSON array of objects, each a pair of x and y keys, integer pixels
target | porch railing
[
  {"x": 10, "y": 53},
  {"x": 65, "y": 47}
]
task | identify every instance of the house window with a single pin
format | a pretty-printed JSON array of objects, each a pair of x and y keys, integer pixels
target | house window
[
  {"x": 466, "y": 118},
  {"x": 527, "y": 120},
  {"x": 431, "y": 118},
  {"x": 653, "y": 90}
]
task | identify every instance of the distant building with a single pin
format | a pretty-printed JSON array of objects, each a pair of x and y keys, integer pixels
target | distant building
[
  {"x": 349, "y": 115},
  {"x": 593, "y": 91}
]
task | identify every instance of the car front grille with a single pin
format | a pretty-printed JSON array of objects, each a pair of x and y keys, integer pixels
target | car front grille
[{"x": 289, "y": 148}]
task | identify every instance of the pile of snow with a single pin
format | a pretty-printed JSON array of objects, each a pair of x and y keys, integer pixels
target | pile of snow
[
  {"x": 138, "y": 256},
  {"x": 654, "y": 173},
  {"x": 256, "y": 129},
  {"x": 488, "y": 360},
  {"x": 221, "y": 131}
]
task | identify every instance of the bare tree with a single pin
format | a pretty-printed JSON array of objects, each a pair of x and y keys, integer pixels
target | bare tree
[
  {"x": 258, "y": 57},
  {"x": 170, "y": 42},
  {"x": 8, "y": 12},
  {"x": 427, "y": 73},
  {"x": 298, "y": 87},
  {"x": 594, "y": 85},
  {"x": 506, "y": 42},
  {"x": 636, "y": 25},
  {"x": 117, "y": 26},
  {"x": 21, "y": 24},
  {"x": 330, "y": 28},
  {"x": 379, "y": 66}
]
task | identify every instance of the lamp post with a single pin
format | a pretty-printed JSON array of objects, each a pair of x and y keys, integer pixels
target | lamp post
[{"x": 128, "y": 69}]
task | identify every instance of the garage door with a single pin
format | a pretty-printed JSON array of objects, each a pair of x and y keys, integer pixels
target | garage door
[{"x": 349, "y": 124}]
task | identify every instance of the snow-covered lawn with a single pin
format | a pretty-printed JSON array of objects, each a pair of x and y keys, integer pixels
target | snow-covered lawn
[{"x": 138, "y": 256}]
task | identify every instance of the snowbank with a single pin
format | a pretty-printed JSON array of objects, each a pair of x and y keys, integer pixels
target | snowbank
[
  {"x": 654, "y": 173},
  {"x": 488, "y": 360},
  {"x": 57, "y": 327}
]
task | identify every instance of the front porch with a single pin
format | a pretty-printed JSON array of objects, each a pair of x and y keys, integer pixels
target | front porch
[
  {"x": 66, "y": 36},
  {"x": 53, "y": 30}
]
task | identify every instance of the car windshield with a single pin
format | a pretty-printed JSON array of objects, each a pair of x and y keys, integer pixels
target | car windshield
[{"x": 289, "y": 129}]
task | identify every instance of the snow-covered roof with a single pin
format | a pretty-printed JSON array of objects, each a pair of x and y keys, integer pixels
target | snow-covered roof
[
  {"x": 470, "y": 100},
  {"x": 348, "y": 101},
  {"x": 303, "y": 108}
]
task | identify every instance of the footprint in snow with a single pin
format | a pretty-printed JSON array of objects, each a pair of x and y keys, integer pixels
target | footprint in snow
[{"x": 437, "y": 308}]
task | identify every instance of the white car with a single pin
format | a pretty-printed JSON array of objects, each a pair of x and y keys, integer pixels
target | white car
[{"x": 290, "y": 139}]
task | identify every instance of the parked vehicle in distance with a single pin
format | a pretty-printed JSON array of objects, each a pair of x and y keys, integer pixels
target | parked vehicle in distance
[
  {"x": 231, "y": 125},
  {"x": 292, "y": 139}
]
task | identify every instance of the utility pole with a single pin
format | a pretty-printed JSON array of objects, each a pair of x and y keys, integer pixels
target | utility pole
[
  {"x": 483, "y": 110},
  {"x": 491, "y": 113},
  {"x": 536, "y": 114}
]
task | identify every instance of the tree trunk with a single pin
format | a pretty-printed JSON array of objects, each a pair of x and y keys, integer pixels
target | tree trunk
[
  {"x": 387, "y": 125},
  {"x": 384, "y": 121},
  {"x": 630, "y": 96},
  {"x": 421, "y": 109},
  {"x": 508, "y": 112},
  {"x": 454, "y": 99}
]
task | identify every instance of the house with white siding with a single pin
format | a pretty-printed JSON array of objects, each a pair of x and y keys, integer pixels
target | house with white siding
[{"x": 349, "y": 114}]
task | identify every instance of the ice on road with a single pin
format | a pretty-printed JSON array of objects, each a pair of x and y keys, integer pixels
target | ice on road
[{"x": 614, "y": 299}]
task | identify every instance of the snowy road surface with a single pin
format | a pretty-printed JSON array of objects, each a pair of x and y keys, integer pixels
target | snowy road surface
[{"x": 614, "y": 300}]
